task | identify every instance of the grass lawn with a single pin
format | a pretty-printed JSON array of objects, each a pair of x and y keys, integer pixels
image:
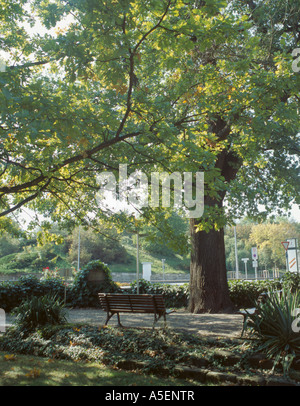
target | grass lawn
[
  {"x": 28, "y": 370},
  {"x": 174, "y": 264},
  {"x": 16, "y": 263}
]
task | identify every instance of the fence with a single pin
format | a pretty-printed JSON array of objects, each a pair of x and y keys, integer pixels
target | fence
[
  {"x": 64, "y": 272},
  {"x": 123, "y": 277},
  {"x": 17, "y": 276},
  {"x": 261, "y": 275}
]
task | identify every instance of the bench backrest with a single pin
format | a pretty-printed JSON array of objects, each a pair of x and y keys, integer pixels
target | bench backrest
[{"x": 144, "y": 303}]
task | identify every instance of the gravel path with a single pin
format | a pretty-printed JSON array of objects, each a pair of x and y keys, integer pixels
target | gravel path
[
  {"x": 209, "y": 325},
  {"x": 214, "y": 325}
]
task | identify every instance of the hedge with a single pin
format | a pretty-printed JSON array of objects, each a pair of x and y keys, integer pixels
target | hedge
[
  {"x": 242, "y": 293},
  {"x": 174, "y": 295},
  {"x": 79, "y": 294},
  {"x": 245, "y": 293},
  {"x": 83, "y": 294},
  {"x": 12, "y": 294}
]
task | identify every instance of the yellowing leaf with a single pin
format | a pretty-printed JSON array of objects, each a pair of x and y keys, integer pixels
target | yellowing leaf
[
  {"x": 10, "y": 357},
  {"x": 34, "y": 373}
]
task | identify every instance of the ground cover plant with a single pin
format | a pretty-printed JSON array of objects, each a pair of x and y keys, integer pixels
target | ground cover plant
[
  {"x": 41, "y": 330},
  {"x": 156, "y": 352}
]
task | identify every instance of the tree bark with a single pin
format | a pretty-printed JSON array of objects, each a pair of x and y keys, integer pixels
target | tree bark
[{"x": 209, "y": 291}]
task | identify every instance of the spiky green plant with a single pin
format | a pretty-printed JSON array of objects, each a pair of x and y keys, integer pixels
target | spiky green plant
[
  {"x": 274, "y": 328},
  {"x": 38, "y": 311}
]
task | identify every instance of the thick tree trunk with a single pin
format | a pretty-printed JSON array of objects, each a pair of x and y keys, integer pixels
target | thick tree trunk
[{"x": 209, "y": 291}]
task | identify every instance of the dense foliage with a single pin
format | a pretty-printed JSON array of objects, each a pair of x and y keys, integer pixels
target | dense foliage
[
  {"x": 174, "y": 296},
  {"x": 78, "y": 293},
  {"x": 39, "y": 311},
  {"x": 85, "y": 294},
  {"x": 105, "y": 246},
  {"x": 12, "y": 294},
  {"x": 273, "y": 327}
]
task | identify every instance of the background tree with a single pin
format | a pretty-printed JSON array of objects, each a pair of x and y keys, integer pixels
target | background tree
[
  {"x": 243, "y": 248},
  {"x": 105, "y": 247},
  {"x": 155, "y": 240},
  {"x": 268, "y": 237},
  {"x": 8, "y": 244}
]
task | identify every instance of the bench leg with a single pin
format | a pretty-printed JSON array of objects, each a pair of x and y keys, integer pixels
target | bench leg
[
  {"x": 165, "y": 321},
  {"x": 154, "y": 321},
  {"x": 157, "y": 317},
  {"x": 109, "y": 316},
  {"x": 244, "y": 324},
  {"x": 119, "y": 323}
]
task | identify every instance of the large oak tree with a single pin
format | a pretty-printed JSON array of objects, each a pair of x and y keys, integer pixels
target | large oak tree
[{"x": 159, "y": 85}]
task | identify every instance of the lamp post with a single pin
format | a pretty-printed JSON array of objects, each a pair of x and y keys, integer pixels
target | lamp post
[
  {"x": 236, "y": 255},
  {"x": 137, "y": 263},
  {"x": 163, "y": 268},
  {"x": 245, "y": 262},
  {"x": 78, "y": 259},
  {"x": 136, "y": 231}
]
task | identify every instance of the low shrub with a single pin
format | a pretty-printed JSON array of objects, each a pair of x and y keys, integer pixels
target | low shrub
[
  {"x": 39, "y": 311},
  {"x": 85, "y": 294},
  {"x": 56, "y": 286},
  {"x": 273, "y": 327},
  {"x": 242, "y": 293},
  {"x": 11, "y": 295},
  {"x": 81, "y": 293},
  {"x": 245, "y": 293},
  {"x": 291, "y": 282},
  {"x": 174, "y": 295}
]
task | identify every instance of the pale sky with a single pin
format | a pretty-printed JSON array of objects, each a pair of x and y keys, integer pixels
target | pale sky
[{"x": 296, "y": 213}]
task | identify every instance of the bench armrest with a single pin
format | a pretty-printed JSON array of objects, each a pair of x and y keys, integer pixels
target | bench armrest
[{"x": 249, "y": 311}]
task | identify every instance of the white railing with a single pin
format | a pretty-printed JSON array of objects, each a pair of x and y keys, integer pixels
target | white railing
[{"x": 261, "y": 275}]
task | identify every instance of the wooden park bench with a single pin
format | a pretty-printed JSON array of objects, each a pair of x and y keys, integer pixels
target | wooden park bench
[
  {"x": 262, "y": 298},
  {"x": 116, "y": 303},
  {"x": 252, "y": 310}
]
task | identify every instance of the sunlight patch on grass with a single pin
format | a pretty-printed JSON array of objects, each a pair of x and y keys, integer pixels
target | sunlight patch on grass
[{"x": 23, "y": 370}]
